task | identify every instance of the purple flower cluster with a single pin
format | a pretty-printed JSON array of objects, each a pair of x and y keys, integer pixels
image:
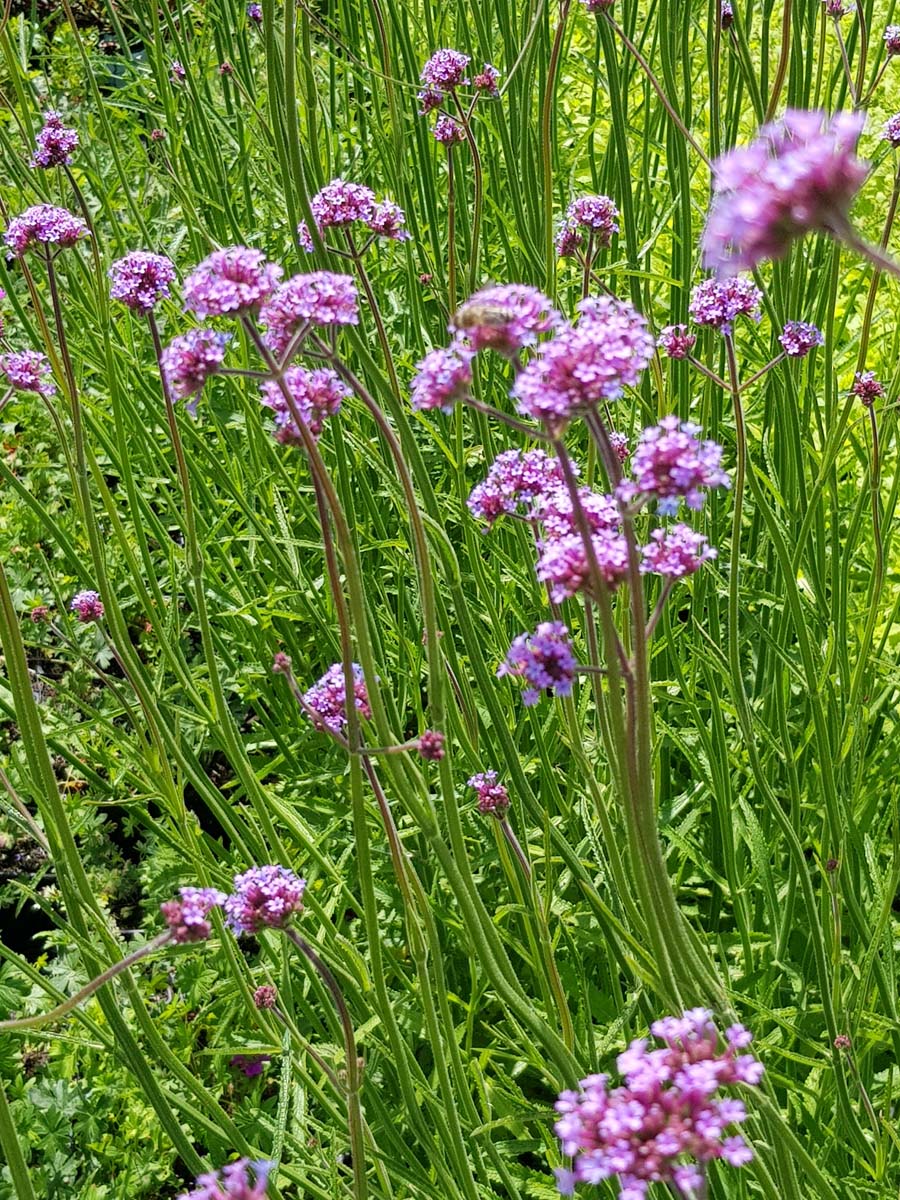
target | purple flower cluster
[
  {"x": 264, "y": 898},
  {"x": 505, "y": 317},
  {"x": 431, "y": 745},
  {"x": 189, "y": 360},
  {"x": 799, "y": 337},
  {"x": 319, "y": 298},
  {"x": 327, "y": 697},
  {"x": 565, "y": 567},
  {"x": 892, "y": 40},
  {"x": 442, "y": 378},
  {"x": 596, "y": 215},
  {"x": 516, "y": 477},
  {"x": 665, "y": 1122},
  {"x": 675, "y": 341},
  {"x": 54, "y": 143},
  {"x": 585, "y": 364},
  {"x": 241, "y": 1180},
  {"x": 487, "y": 80},
  {"x": 28, "y": 371},
  {"x": 445, "y": 70},
  {"x": 836, "y": 9},
  {"x": 265, "y": 996},
  {"x": 867, "y": 387},
  {"x": 891, "y": 131},
  {"x": 670, "y": 462},
  {"x": 230, "y": 282},
  {"x": 187, "y": 917},
  {"x": 448, "y": 131},
  {"x": 726, "y": 14},
  {"x": 249, "y": 1065},
  {"x": 543, "y": 659},
  {"x": 87, "y": 606},
  {"x": 555, "y": 512},
  {"x": 341, "y": 204},
  {"x": 717, "y": 302},
  {"x": 43, "y": 225},
  {"x": 316, "y": 395},
  {"x": 676, "y": 552},
  {"x": 493, "y": 797},
  {"x": 177, "y": 72},
  {"x": 141, "y": 279},
  {"x": 255, "y": 13},
  {"x": 799, "y": 175}
]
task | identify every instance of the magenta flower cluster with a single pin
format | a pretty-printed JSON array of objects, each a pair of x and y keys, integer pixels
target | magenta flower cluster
[
  {"x": 188, "y": 917},
  {"x": 87, "y": 606},
  {"x": 255, "y": 13},
  {"x": 867, "y": 387},
  {"x": 263, "y": 898},
  {"x": 44, "y": 225},
  {"x": 319, "y": 299},
  {"x": 327, "y": 698},
  {"x": 676, "y": 552},
  {"x": 241, "y": 1180},
  {"x": 892, "y": 40},
  {"x": 799, "y": 337},
  {"x": 505, "y": 317},
  {"x": 675, "y": 341},
  {"x": 443, "y": 377},
  {"x": 315, "y": 395},
  {"x": 594, "y": 216},
  {"x": 230, "y": 283},
  {"x": 799, "y": 175},
  {"x": 54, "y": 143},
  {"x": 891, "y": 132},
  {"x": 718, "y": 302},
  {"x": 665, "y": 1122},
  {"x": 670, "y": 463},
  {"x": 493, "y": 797},
  {"x": 141, "y": 279},
  {"x": 544, "y": 660},
  {"x": 585, "y": 364},
  {"x": 28, "y": 371},
  {"x": 446, "y": 70},
  {"x": 189, "y": 360},
  {"x": 516, "y": 478},
  {"x": 340, "y": 205}
]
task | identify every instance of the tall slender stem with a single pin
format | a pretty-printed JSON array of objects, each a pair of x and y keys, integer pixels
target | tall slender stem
[{"x": 547, "y": 143}]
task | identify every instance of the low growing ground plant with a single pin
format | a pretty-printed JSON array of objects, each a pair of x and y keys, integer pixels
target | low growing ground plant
[{"x": 448, "y": 600}]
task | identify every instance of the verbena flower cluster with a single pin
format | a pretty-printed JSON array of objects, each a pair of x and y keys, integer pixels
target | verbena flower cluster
[
  {"x": 670, "y": 463},
  {"x": 87, "y": 606},
  {"x": 544, "y": 660},
  {"x": 493, "y": 797},
  {"x": 594, "y": 216},
  {"x": 188, "y": 917},
  {"x": 718, "y": 303},
  {"x": 318, "y": 299},
  {"x": 314, "y": 395},
  {"x": 28, "y": 371},
  {"x": 665, "y": 1122},
  {"x": 341, "y": 205},
  {"x": 445, "y": 72},
  {"x": 54, "y": 143},
  {"x": 327, "y": 698},
  {"x": 230, "y": 282},
  {"x": 517, "y": 478},
  {"x": 141, "y": 279},
  {"x": 44, "y": 225},
  {"x": 800, "y": 337},
  {"x": 867, "y": 387},
  {"x": 189, "y": 360},
  {"x": 263, "y": 898},
  {"x": 675, "y": 341},
  {"x": 241, "y": 1180},
  {"x": 799, "y": 175},
  {"x": 443, "y": 377}
]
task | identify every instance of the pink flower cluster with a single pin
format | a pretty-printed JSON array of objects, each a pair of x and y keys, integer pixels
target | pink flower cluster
[
  {"x": 493, "y": 797},
  {"x": 675, "y": 341},
  {"x": 665, "y": 1123},
  {"x": 87, "y": 606},
  {"x": 44, "y": 225},
  {"x": 516, "y": 478},
  {"x": 319, "y": 298},
  {"x": 892, "y": 131},
  {"x": 241, "y": 1180},
  {"x": 505, "y": 317},
  {"x": 230, "y": 282},
  {"x": 799, "y": 337},
  {"x": 263, "y": 898},
  {"x": 141, "y": 279},
  {"x": 28, "y": 371},
  {"x": 799, "y": 175},
  {"x": 867, "y": 387},
  {"x": 316, "y": 395},
  {"x": 189, "y": 360},
  {"x": 892, "y": 40},
  {"x": 340, "y": 204},
  {"x": 585, "y": 364},
  {"x": 54, "y": 143},
  {"x": 442, "y": 378},
  {"x": 595, "y": 215},
  {"x": 676, "y": 552},
  {"x": 327, "y": 698},
  {"x": 670, "y": 462},
  {"x": 543, "y": 659},
  {"x": 187, "y": 917},
  {"x": 445, "y": 70},
  {"x": 718, "y": 303}
]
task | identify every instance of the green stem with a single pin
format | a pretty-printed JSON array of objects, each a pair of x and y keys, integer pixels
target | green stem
[
  {"x": 12, "y": 1152},
  {"x": 547, "y": 145}
]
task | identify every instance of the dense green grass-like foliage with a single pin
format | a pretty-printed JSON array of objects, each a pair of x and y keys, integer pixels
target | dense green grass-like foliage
[{"x": 157, "y": 750}]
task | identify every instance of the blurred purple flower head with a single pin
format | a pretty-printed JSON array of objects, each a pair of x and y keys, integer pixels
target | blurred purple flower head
[
  {"x": 327, "y": 697},
  {"x": 443, "y": 377},
  {"x": 389, "y": 221},
  {"x": 836, "y": 9},
  {"x": 319, "y": 298},
  {"x": 255, "y": 13},
  {"x": 178, "y": 73},
  {"x": 54, "y": 143},
  {"x": 585, "y": 364},
  {"x": 670, "y": 462},
  {"x": 666, "y": 1118},
  {"x": 39, "y": 614},
  {"x": 597, "y": 6},
  {"x": 867, "y": 387},
  {"x": 431, "y": 745},
  {"x": 543, "y": 659},
  {"x": 555, "y": 511},
  {"x": 187, "y": 916},
  {"x": 799, "y": 175},
  {"x": 44, "y": 225},
  {"x": 505, "y": 317},
  {"x": 717, "y": 302},
  {"x": 189, "y": 360},
  {"x": 87, "y": 606},
  {"x": 265, "y": 996},
  {"x": 446, "y": 70},
  {"x": 565, "y": 567},
  {"x": 28, "y": 371},
  {"x": 493, "y": 797},
  {"x": 241, "y": 1180},
  {"x": 250, "y": 1065},
  {"x": 676, "y": 552},
  {"x": 675, "y": 341},
  {"x": 141, "y": 279},
  {"x": 891, "y": 131},
  {"x": 799, "y": 337},
  {"x": 316, "y": 395},
  {"x": 448, "y": 131},
  {"x": 516, "y": 477},
  {"x": 620, "y": 445},
  {"x": 229, "y": 283},
  {"x": 429, "y": 99},
  {"x": 225, "y": 68},
  {"x": 726, "y": 14},
  {"x": 264, "y": 898},
  {"x": 597, "y": 215},
  {"x": 892, "y": 40},
  {"x": 486, "y": 81},
  {"x": 157, "y": 135}
]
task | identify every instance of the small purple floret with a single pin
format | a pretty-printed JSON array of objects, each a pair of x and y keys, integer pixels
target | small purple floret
[
  {"x": 241, "y": 1180},
  {"x": 445, "y": 70},
  {"x": 141, "y": 279},
  {"x": 493, "y": 797},
  {"x": 54, "y": 143},
  {"x": 543, "y": 660},
  {"x": 327, "y": 698},
  {"x": 675, "y": 341},
  {"x": 189, "y": 360},
  {"x": 87, "y": 606},
  {"x": 443, "y": 377}
]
